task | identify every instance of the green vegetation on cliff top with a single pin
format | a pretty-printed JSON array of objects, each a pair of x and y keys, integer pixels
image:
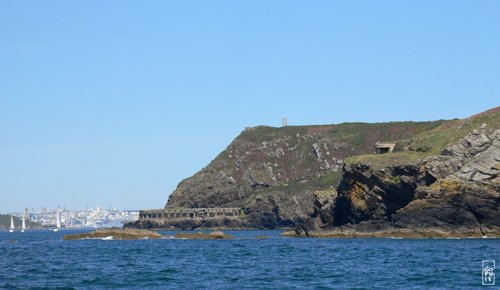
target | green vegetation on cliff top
[
  {"x": 355, "y": 133},
  {"x": 390, "y": 159},
  {"x": 359, "y": 137},
  {"x": 432, "y": 142}
]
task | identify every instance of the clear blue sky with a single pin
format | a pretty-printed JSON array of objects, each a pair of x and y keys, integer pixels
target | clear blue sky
[{"x": 114, "y": 102}]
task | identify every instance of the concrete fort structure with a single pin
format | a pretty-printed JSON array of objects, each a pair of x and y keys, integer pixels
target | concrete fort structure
[
  {"x": 384, "y": 147},
  {"x": 189, "y": 213}
]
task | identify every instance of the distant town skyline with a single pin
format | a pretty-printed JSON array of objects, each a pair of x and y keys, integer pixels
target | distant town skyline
[
  {"x": 78, "y": 218},
  {"x": 117, "y": 102}
]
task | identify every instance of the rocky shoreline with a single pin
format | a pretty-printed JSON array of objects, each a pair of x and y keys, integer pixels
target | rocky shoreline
[{"x": 390, "y": 232}]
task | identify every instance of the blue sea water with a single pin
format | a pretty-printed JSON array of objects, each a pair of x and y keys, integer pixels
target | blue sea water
[{"x": 41, "y": 259}]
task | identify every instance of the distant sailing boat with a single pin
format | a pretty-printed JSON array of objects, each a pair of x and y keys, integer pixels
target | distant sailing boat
[
  {"x": 11, "y": 224},
  {"x": 23, "y": 227},
  {"x": 58, "y": 223}
]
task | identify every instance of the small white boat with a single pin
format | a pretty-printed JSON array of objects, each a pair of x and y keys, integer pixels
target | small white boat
[
  {"x": 11, "y": 224},
  {"x": 23, "y": 227},
  {"x": 58, "y": 222}
]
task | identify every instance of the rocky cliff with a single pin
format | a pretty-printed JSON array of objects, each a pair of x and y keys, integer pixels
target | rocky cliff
[
  {"x": 443, "y": 176},
  {"x": 441, "y": 183},
  {"x": 276, "y": 174}
]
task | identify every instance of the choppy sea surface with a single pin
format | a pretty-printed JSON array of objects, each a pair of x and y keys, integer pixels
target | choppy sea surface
[{"x": 41, "y": 259}]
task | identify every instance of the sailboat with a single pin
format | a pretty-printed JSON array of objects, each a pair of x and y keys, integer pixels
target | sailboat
[
  {"x": 58, "y": 222},
  {"x": 23, "y": 227},
  {"x": 11, "y": 224}
]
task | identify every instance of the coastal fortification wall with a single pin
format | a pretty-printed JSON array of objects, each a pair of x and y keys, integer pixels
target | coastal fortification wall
[{"x": 189, "y": 213}]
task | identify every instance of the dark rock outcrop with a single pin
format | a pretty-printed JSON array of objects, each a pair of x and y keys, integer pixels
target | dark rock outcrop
[
  {"x": 115, "y": 234},
  {"x": 368, "y": 194},
  {"x": 217, "y": 235},
  {"x": 453, "y": 194},
  {"x": 466, "y": 194},
  {"x": 189, "y": 224}
]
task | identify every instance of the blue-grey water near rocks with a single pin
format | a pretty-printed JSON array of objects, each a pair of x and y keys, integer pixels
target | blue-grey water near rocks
[{"x": 41, "y": 259}]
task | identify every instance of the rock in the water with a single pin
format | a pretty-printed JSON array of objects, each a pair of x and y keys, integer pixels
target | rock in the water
[
  {"x": 116, "y": 234},
  {"x": 217, "y": 235}
]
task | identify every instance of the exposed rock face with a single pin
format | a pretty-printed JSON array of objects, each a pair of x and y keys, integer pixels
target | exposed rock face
[
  {"x": 324, "y": 201},
  {"x": 451, "y": 194},
  {"x": 468, "y": 195},
  {"x": 454, "y": 207},
  {"x": 277, "y": 174},
  {"x": 478, "y": 157},
  {"x": 368, "y": 194}
]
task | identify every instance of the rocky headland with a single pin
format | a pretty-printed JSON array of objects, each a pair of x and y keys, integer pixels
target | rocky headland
[{"x": 442, "y": 179}]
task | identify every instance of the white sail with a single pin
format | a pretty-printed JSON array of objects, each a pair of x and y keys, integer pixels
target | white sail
[
  {"x": 58, "y": 220},
  {"x": 23, "y": 227},
  {"x": 11, "y": 224}
]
